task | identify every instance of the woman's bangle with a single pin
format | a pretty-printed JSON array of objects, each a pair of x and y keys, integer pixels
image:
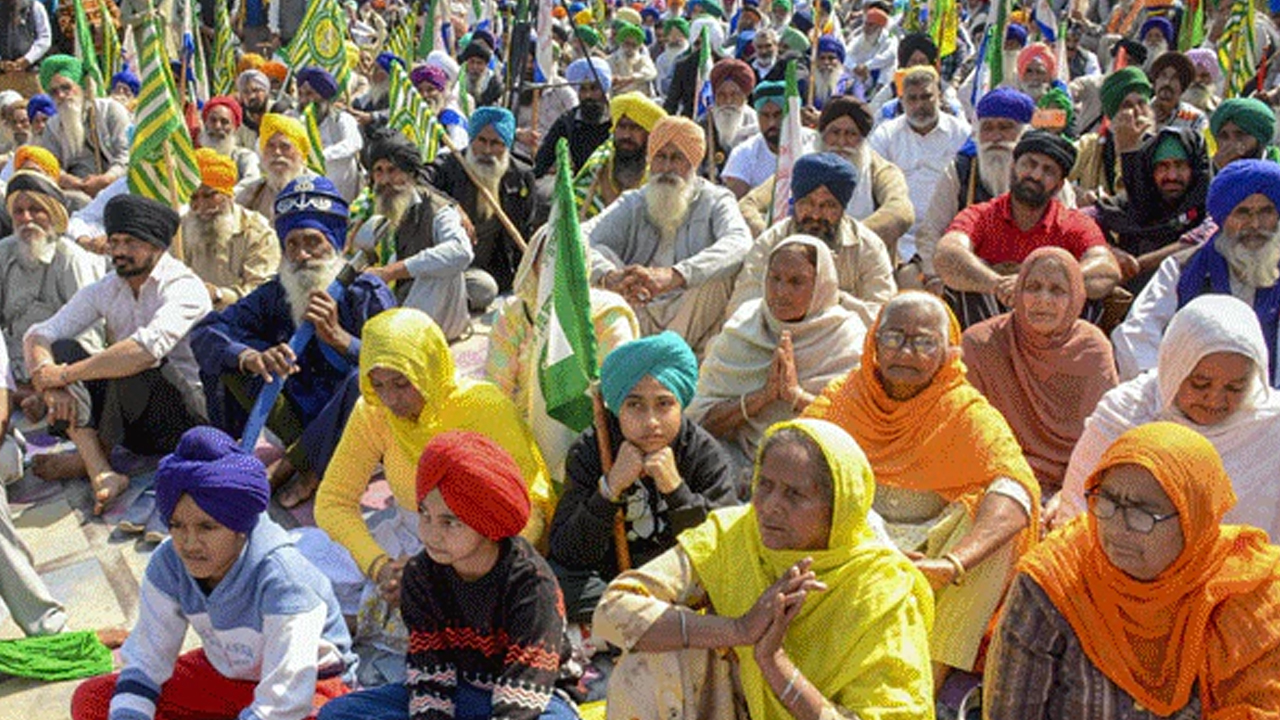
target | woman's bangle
[
  {"x": 957, "y": 565},
  {"x": 742, "y": 405},
  {"x": 684, "y": 628},
  {"x": 790, "y": 684}
]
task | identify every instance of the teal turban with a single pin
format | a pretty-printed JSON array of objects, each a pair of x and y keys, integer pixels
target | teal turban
[
  {"x": 1119, "y": 84},
  {"x": 665, "y": 356},
  {"x": 1250, "y": 114}
]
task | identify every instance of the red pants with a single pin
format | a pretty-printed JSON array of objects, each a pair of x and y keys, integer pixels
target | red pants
[{"x": 197, "y": 691}]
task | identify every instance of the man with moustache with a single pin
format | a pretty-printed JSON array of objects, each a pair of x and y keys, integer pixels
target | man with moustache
[
  {"x": 587, "y": 126},
  {"x": 822, "y": 185},
  {"x": 432, "y": 244},
  {"x": 676, "y": 43},
  {"x": 633, "y": 69},
  {"x": 232, "y": 249},
  {"x": 40, "y": 270},
  {"x": 755, "y": 160},
  {"x": 978, "y": 257},
  {"x": 509, "y": 180},
  {"x": 620, "y": 164},
  {"x": 339, "y": 131},
  {"x": 873, "y": 53},
  {"x": 247, "y": 344},
  {"x": 1171, "y": 74},
  {"x": 284, "y": 146},
  {"x": 1168, "y": 181},
  {"x": 1004, "y": 114},
  {"x": 1242, "y": 259},
  {"x": 829, "y": 76},
  {"x": 143, "y": 390},
  {"x": 482, "y": 85},
  {"x": 253, "y": 91},
  {"x": 672, "y": 247},
  {"x": 1243, "y": 129},
  {"x": 90, "y": 137},
  {"x": 220, "y": 132},
  {"x": 733, "y": 118}
]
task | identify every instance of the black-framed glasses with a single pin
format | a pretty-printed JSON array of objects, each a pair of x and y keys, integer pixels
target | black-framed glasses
[
  {"x": 896, "y": 340},
  {"x": 1104, "y": 507}
]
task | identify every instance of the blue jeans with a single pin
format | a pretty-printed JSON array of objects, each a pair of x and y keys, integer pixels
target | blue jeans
[{"x": 391, "y": 702}]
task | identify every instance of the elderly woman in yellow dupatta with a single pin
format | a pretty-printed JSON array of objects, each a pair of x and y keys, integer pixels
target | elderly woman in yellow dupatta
[
  {"x": 778, "y": 352},
  {"x": 951, "y": 482},
  {"x": 409, "y": 393},
  {"x": 1148, "y": 606},
  {"x": 824, "y": 620}
]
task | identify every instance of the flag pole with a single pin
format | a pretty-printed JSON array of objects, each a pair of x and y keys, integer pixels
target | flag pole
[
  {"x": 509, "y": 226},
  {"x": 622, "y": 551}
]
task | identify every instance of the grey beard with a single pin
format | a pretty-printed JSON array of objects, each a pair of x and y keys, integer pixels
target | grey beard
[
  {"x": 1258, "y": 268},
  {"x": 728, "y": 121},
  {"x": 300, "y": 282},
  {"x": 994, "y": 165},
  {"x": 202, "y": 238},
  {"x": 489, "y": 175},
  {"x": 667, "y": 204},
  {"x": 224, "y": 145},
  {"x": 72, "y": 125},
  {"x": 858, "y": 156},
  {"x": 824, "y": 83},
  {"x": 393, "y": 204},
  {"x": 276, "y": 180},
  {"x": 37, "y": 248}
]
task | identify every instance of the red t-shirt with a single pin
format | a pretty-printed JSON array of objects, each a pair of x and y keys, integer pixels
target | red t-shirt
[{"x": 996, "y": 238}]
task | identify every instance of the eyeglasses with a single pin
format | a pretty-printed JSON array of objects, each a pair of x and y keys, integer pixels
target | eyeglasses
[
  {"x": 896, "y": 340},
  {"x": 1104, "y": 507}
]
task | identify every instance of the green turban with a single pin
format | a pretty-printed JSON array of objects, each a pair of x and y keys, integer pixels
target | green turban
[
  {"x": 678, "y": 23},
  {"x": 1119, "y": 84},
  {"x": 626, "y": 30},
  {"x": 1056, "y": 99},
  {"x": 64, "y": 65},
  {"x": 1250, "y": 114},
  {"x": 588, "y": 35}
]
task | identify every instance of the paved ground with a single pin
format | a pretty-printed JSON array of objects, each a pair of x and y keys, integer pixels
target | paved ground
[{"x": 92, "y": 568}]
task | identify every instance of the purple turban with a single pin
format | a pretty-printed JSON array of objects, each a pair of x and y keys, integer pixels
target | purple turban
[
  {"x": 430, "y": 74},
  {"x": 226, "y": 482}
]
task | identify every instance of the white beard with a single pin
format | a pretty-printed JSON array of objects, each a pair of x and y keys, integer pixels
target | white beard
[
  {"x": 824, "y": 83},
  {"x": 1036, "y": 90},
  {"x": 995, "y": 162},
  {"x": 224, "y": 145},
  {"x": 393, "y": 204},
  {"x": 201, "y": 238},
  {"x": 1153, "y": 52},
  {"x": 300, "y": 282},
  {"x": 1258, "y": 268},
  {"x": 667, "y": 204},
  {"x": 277, "y": 179},
  {"x": 72, "y": 125},
  {"x": 35, "y": 246},
  {"x": 489, "y": 175},
  {"x": 859, "y": 156},
  {"x": 378, "y": 92},
  {"x": 728, "y": 121}
]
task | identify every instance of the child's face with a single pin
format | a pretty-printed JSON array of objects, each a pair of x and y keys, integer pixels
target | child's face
[
  {"x": 206, "y": 547},
  {"x": 449, "y": 541},
  {"x": 650, "y": 415}
]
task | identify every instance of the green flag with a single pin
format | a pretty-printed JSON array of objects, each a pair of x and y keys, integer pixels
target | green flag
[
  {"x": 409, "y": 113},
  {"x": 162, "y": 160},
  {"x": 321, "y": 40},
  {"x": 86, "y": 51},
  {"x": 568, "y": 364},
  {"x": 995, "y": 46},
  {"x": 224, "y": 51},
  {"x": 430, "y": 32},
  {"x": 112, "y": 62},
  {"x": 315, "y": 158}
]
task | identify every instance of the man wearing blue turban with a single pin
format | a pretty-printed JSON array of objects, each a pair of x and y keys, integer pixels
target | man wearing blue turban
[
  {"x": 586, "y": 128},
  {"x": 340, "y": 137}
]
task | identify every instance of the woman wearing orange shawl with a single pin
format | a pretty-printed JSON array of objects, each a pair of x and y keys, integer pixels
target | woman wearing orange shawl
[
  {"x": 1040, "y": 365},
  {"x": 951, "y": 482},
  {"x": 1107, "y": 621}
]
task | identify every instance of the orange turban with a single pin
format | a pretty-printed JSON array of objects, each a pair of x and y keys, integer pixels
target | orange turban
[
  {"x": 685, "y": 133},
  {"x": 1037, "y": 51},
  {"x": 250, "y": 61},
  {"x": 41, "y": 158},
  {"x": 275, "y": 70},
  {"x": 217, "y": 170}
]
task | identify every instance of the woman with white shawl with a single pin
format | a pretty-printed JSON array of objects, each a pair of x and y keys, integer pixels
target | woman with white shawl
[
  {"x": 1210, "y": 378},
  {"x": 778, "y": 352}
]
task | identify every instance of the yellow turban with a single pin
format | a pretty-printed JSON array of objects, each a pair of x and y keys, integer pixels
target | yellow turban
[
  {"x": 217, "y": 170},
  {"x": 250, "y": 61},
  {"x": 583, "y": 18},
  {"x": 685, "y": 133},
  {"x": 294, "y": 132},
  {"x": 638, "y": 107},
  {"x": 43, "y": 159}
]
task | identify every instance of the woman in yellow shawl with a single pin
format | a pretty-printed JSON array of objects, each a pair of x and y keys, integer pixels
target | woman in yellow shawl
[
  {"x": 824, "y": 620},
  {"x": 1147, "y": 606},
  {"x": 409, "y": 393},
  {"x": 951, "y": 482}
]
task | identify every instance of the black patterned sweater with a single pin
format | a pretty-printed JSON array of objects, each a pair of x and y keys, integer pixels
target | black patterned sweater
[{"x": 504, "y": 632}]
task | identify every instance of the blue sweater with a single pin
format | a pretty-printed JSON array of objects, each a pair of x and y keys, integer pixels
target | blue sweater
[{"x": 273, "y": 619}]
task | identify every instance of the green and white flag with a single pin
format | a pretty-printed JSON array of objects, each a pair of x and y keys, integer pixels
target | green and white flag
[
  {"x": 87, "y": 53},
  {"x": 162, "y": 159},
  {"x": 789, "y": 147},
  {"x": 224, "y": 51},
  {"x": 568, "y": 364},
  {"x": 321, "y": 40},
  {"x": 315, "y": 158},
  {"x": 409, "y": 113}
]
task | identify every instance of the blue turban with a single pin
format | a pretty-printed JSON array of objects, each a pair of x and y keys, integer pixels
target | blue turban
[
  {"x": 312, "y": 202},
  {"x": 1159, "y": 23},
  {"x": 773, "y": 91},
  {"x": 579, "y": 71},
  {"x": 651, "y": 13},
  {"x": 1239, "y": 180},
  {"x": 576, "y": 7},
  {"x": 665, "y": 356},
  {"x": 128, "y": 78},
  {"x": 1016, "y": 32},
  {"x": 385, "y": 59},
  {"x": 226, "y": 482},
  {"x": 826, "y": 169},
  {"x": 320, "y": 80},
  {"x": 1005, "y": 102},
  {"x": 831, "y": 44},
  {"x": 503, "y": 122},
  {"x": 41, "y": 104}
]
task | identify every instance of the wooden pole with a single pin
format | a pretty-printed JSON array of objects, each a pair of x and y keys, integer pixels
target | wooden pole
[
  {"x": 175, "y": 248},
  {"x": 488, "y": 197},
  {"x": 622, "y": 550},
  {"x": 813, "y": 54}
]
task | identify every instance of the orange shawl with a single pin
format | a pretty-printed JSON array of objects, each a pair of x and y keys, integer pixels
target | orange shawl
[
  {"x": 947, "y": 439},
  {"x": 1212, "y": 617}
]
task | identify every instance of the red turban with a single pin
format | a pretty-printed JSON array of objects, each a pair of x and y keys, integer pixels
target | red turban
[
  {"x": 1037, "y": 51},
  {"x": 480, "y": 482},
  {"x": 737, "y": 71},
  {"x": 228, "y": 102}
]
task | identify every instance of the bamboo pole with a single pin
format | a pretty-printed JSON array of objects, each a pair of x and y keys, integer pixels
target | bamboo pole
[
  {"x": 488, "y": 197},
  {"x": 622, "y": 551}
]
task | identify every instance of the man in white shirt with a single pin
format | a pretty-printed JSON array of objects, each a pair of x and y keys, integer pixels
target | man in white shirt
[
  {"x": 143, "y": 390},
  {"x": 922, "y": 142},
  {"x": 755, "y": 160},
  {"x": 339, "y": 132}
]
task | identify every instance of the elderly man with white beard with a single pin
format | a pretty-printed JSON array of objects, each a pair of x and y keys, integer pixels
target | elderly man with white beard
[
  {"x": 676, "y": 42},
  {"x": 633, "y": 69},
  {"x": 90, "y": 137},
  {"x": 872, "y": 54},
  {"x": 247, "y": 344},
  {"x": 223, "y": 118},
  {"x": 879, "y": 199},
  {"x": 673, "y": 247},
  {"x": 829, "y": 76},
  {"x": 432, "y": 245},
  {"x": 284, "y": 145},
  {"x": 232, "y": 249},
  {"x": 339, "y": 131},
  {"x": 1242, "y": 259},
  {"x": 822, "y": 186},
  {"x": 733, "y": 119},
  {"x": 509, "y": 180},
  {"x": 40, "y": 269}
]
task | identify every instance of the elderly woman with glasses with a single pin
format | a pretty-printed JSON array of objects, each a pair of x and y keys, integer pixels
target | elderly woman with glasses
[{"x": 1147, "y": 606}]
